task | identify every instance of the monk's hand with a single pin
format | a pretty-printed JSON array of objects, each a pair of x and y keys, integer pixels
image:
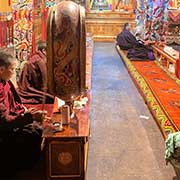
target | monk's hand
[
  {"x": 32, "y": 110},
  {"x": 38, "y": 115},
  {"x": 146, "y": 42}
]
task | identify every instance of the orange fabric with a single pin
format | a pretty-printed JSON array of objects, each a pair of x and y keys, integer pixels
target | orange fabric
[
  {"x": 178, "y": 67},
  {"x": 174, "y": 15},
  {"x": 165, "y": 89}
]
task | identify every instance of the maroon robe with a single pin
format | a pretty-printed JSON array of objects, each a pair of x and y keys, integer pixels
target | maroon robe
[
  {"x": 11, "y": 109},
  {"x": 126, "y": 40},
  {"x": 136, "y": 49},
  {"x": 20, "y": 139},
  {"x": 33, "y": 81}
]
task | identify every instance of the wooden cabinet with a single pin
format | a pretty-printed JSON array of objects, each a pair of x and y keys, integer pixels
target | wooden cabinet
[
  {"x": 66, "y": 158},
  {"x": 106, "y": 18},
  {"x": 105, "y": 26},
  {"x": 167, "y": 60},
  {"x": 66, "y": 151}
]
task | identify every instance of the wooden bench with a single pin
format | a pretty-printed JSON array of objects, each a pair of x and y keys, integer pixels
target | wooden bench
[{"x": 169, "y": 61}]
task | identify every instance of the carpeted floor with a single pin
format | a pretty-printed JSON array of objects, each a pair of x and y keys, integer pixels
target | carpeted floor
[
  {"x": 160, "y": 91},
  {"x": 165, "y": 89}
]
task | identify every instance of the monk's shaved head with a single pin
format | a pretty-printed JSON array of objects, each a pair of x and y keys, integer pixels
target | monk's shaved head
[
  {"x": 41, "y": 45},
  {"x": 7, "y": 65},
  {"x": 127, "y": 26},
  {"x": 6, "y": 59}
]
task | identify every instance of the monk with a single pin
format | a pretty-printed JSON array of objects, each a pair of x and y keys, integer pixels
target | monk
[
  {"x": 32, "y": 84},
  {"x": 20, "y": 128},
  {"x": 137, "y": 50},
  {"x": 126, "y": 40}
]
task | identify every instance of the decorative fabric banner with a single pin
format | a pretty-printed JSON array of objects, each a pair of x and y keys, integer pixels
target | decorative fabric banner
[
  {"x": 174, "y": 16},
  {"x": 140, "y": 18},
  {"x": 156, "y": 20},
  {"x": 23, "y": 28}
]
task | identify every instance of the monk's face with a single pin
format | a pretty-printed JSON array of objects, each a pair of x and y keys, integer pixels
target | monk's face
[
  {"x": 7, "y": 72},
  {"x": 128, "y": 27},
  {"x": 44, "y": 51}
]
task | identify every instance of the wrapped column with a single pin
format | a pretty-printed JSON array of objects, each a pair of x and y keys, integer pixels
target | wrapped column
[{"x": 66, "y": 57}]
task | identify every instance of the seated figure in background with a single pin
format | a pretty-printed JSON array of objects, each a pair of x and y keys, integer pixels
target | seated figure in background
[
  {"x": 126, "y": 40},
  {"x": 32, "y": 84},
  {"x": 20, "y": 129},
  {"x": 137, "y": 50}
]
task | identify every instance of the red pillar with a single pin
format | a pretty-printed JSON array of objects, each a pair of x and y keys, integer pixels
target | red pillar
[
  {"x": 44, "y": 17},
  {"x": 33, "y": 49},
  {"x": 178, "y": 67}
]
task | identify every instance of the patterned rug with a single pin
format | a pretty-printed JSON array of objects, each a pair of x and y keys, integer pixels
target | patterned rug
[{"x": 161, "y": 92}]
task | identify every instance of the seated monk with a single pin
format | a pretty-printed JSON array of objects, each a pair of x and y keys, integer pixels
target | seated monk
[
  {"x": 126, "y": 40},
  {"x": 20, "y": 129},
  {"x": 137, "y": 50},
  {"x": 32, "y": 84}
]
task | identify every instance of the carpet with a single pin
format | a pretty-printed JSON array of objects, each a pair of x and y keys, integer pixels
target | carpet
[{"x": 160, "y": 90}]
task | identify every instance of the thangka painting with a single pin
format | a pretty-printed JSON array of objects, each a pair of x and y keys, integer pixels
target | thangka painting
[
  {"x": 156, "y": 20},
  {"x": 23, "y": 28},
  {"x": 23, "y": 17}
]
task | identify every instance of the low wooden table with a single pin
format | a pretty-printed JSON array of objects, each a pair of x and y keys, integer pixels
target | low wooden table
[
  {"x": 66, "y": 151},
  {"x": 164, "y": 58}
]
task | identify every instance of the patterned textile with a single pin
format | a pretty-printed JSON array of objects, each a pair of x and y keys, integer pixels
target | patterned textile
[
  {"x": 23, "y": 28},
  {"x": 156, "y": 20},
  {"x": 50, "y": 3},
  {"x": 140, "y": 17},
  {"x": 174, "y": 16},
  {"x": 172, "y": 142},
  {"x": 24, "y": 40}
]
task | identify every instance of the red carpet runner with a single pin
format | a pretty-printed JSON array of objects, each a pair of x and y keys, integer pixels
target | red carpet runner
[{"x": 160, "y": 91}]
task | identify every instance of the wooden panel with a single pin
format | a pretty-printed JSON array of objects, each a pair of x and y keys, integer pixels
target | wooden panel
[
  {"x": 164, "y": 58},
  {"x": 106, "y": 26},
  {"x": 65, "y": 158},
  {"x": 86, "y": 147}
]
